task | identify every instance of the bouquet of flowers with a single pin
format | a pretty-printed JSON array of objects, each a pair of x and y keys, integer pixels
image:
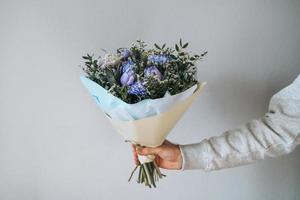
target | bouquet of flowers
[{"x": 144, "y": 92}]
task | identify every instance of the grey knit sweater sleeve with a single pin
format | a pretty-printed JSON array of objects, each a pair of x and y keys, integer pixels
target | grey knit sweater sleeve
[{"x": 275, "y": 134}]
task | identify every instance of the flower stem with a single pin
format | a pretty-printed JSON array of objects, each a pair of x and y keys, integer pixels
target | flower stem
[
  {"x": 132, "y": 173},
  {"x": 149, "y": 174}
]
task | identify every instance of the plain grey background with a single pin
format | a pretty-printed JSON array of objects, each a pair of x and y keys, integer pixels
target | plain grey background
[{"x": 56, "y": 144}]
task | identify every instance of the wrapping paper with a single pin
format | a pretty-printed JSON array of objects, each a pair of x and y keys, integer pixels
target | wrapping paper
[
  {"x": 147, "y": 122},
  {"x": 152, "y": 131}
]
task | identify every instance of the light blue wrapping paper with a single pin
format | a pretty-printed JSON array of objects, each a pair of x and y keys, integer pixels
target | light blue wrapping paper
[{"x": 118, "y": 109}]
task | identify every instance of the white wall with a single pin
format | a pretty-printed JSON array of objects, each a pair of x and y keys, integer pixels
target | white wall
[{"x": 56, "y": 144}]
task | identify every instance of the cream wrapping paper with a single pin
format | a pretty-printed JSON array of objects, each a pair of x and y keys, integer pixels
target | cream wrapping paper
[
  {"x": 152, "y": 131},
  {"x": 146, "y": 123}
]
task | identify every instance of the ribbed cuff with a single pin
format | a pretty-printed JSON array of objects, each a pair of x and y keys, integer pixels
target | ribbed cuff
[{"x": 182, "y": 158}]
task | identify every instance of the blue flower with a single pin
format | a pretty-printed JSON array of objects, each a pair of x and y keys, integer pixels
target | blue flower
[
  {"x": 158, "y": 59},
  {"x": 137, "y": 89},
  {"x": 127, "y": 78},
  {"x": 154, "y": 72},
  {"x": 127, "y": 66}
]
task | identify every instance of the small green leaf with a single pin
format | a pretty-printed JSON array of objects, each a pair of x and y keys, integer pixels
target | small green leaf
[
  {"x": 156, "y": 46},
  {"x": 185, "y": 45},
  {"x": 204, "y": 53},
  {"x": 180, "y": 42},
  {"x": 110, "y": 76},
  {"x": 173, "y": 57},
  {"x": 176, "y": 47}
]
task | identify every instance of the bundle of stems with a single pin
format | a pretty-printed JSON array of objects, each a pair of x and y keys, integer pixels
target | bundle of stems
[{"x": 149, "y": 174}]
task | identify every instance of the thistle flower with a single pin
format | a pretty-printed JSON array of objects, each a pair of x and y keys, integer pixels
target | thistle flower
[
  {"x": 109, "y": 60},
  {"x": 154, "y": 72},
  {"x": 158, "y": 59},
  {"x": 137, "y": 89},
  {"x": 127, "y": 78}
]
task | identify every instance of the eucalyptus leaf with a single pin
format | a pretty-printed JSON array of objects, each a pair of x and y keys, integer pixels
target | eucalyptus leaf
[
  {"x": 110, "y": 77},
  {"x": 156, "y": 46},
  {"x": 185, "y": 45}
]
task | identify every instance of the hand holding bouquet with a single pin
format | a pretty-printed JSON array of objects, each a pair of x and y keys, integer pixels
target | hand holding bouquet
[{"x": 144, "y": 92}]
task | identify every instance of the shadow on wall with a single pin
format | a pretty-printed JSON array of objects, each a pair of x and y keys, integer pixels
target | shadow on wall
[
  {"x": 247, "y": 95},
  {"x": 279, "y": 173}
]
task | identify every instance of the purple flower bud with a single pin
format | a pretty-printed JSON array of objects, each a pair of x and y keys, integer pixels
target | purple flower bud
[
  {"x": 127, "y": 78},
  {"x": 137, "y": 89},
  {"x": 125, "y": 53},
  {"x": 154, "y": 72}
]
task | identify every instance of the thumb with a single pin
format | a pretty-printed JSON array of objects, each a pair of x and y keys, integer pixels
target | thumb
[{"x": 147, "y": 151}]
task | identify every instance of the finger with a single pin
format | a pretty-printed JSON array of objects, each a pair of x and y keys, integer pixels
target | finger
[
  {"x": 163, "y": 164},
  {"x": 157, "y": 160},
  {"x": 134, "y": 152},
  {"x": 147, "y": 151},
  {"x": 134, "y": 149},
  {"x": 136, "y": 161},
  {"x": 135, "y": 155},
  {"x": 167, "y": 142}
]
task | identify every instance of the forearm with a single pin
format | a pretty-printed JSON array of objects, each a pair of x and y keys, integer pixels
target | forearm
[
  {"x": 250, "y": 143},
  {"x": 275, "y": 134}
]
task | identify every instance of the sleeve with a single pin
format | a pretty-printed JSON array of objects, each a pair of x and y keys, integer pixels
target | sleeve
[{"x": 275, "y": 134}]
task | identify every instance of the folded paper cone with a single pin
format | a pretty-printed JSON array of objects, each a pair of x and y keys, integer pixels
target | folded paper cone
[{"x": 152, "y": 131}]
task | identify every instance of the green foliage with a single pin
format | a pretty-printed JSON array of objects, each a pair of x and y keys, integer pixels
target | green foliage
[{"x": 179, "y": 73}]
